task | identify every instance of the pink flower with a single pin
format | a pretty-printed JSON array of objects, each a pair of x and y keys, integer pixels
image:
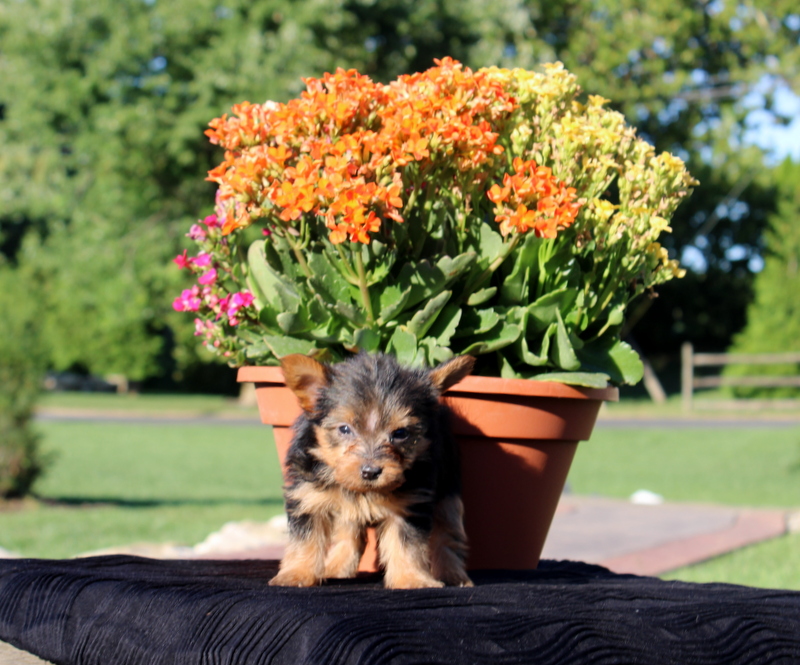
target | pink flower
[
  {"x": 242, "y": 299},
  {"x": 197, "y": 232},
  {"x": 182, "y": 261},
  {"x": 202, "y": 260},
  {"x": 188, "y": 301},
  {"x": 236, "y": 302},
  {"x": 204, "y": 329},
  {"x": 208, "y": 277},
  {"x": 223, "y": 306},
  {"x": 212, "y": 222}
]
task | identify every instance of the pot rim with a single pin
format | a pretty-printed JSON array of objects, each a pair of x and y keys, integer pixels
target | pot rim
[{"x": 272, "y": 374}]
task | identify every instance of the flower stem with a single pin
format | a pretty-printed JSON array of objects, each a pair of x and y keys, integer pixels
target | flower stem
[
  {"x": 348, "y": 273},
  {"x": 301, "y": 260}
]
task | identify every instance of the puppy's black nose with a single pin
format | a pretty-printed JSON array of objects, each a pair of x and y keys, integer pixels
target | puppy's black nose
[{"x": 370, "y": 472}]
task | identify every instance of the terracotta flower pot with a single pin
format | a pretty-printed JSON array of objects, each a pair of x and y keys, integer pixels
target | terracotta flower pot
[{"x": 517, "y": 441}]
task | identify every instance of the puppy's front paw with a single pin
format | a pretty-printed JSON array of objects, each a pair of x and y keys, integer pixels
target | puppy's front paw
[
  {"x": 412, "y": 580},
  {"x": 294, "y": 577},
  {"x": 458, "y": 580}
]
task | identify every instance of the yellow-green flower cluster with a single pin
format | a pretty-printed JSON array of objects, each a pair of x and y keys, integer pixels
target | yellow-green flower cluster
[{"x": 590, "y": 147}]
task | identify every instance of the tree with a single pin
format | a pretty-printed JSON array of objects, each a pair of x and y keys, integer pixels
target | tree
[
  {"x": 773, "y": 318},
  {"x": 21, "y": 373},
  {"x": 103, "y": 110}
]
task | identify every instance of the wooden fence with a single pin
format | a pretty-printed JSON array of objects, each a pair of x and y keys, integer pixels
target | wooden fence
[{"x": 689, "y": 382}]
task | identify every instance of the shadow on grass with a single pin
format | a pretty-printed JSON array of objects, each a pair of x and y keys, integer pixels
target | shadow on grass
[{"x": 116, "y": 502}]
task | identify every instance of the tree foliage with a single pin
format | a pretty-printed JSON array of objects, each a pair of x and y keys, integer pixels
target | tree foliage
[
  {"x": 103, "y": 106},
  {"x": 21, "y": 373},
  {"x": 104, "y": 159},
  {"x": 773, "y": 318}
]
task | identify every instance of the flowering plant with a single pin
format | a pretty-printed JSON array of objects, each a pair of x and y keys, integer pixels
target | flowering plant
[{"x": 452, "y": 211}]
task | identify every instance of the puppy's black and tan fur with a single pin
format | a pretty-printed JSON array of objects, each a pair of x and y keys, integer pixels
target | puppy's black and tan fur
[{"x": 373, "y": 448}]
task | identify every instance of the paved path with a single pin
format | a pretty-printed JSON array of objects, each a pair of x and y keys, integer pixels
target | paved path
[{"x": 654, "y": 539}]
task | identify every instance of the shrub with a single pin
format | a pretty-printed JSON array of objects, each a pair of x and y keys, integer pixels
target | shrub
[
  {"x": 773, "y": 318},
  {"x": 21, "y": 368}
]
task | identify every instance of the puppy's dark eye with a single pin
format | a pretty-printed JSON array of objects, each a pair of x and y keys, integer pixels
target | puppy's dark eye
[
  {"x": 400, "y": 434},
  {"x": 345, "y": 429}
]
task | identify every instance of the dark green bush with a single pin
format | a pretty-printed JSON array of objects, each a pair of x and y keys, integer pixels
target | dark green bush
[
  {"x": 21, "y": 368},
  {"x": 773, "y": 318}
]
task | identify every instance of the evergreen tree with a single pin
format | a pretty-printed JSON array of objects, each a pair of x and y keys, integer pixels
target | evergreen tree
[{"x": 773, "y": 318}]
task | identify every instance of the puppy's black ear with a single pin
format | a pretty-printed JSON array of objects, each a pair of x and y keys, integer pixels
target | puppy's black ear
[
  {"x": 305, "y": 377},
  {"x": 450, "y": 372}
]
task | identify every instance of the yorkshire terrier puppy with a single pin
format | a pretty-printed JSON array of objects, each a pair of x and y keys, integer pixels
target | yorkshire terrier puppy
[{"x": 373, "y": 448}]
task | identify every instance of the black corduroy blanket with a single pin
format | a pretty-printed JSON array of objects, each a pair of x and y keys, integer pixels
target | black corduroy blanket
[{"x": 129, "y": 610}]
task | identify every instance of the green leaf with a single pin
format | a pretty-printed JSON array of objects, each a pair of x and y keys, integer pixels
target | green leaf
[
  {"x": 263, "y": 276},
  {"x": 424, "y": 318},
  {"x": 542, "y": 355},
  {"x": 380, "y": 273},
  {"x": 365, "y": 339},
  {"x": 327, "y": 281},
  {"x": 257, "y": 350},
  {"x": 270, "y": 282},
  {"x": 477, "y": 321},
  {"x": 404, "y": 346},
  {"x": 480, "y": 297},
  {"x": 446, "y": 324},
  {"x": 617, "y": 315},
  {"x": 287, "y": 264},
  {"x": 434, "y": 353},
  {"x": 613, "y": 357},
  {"x": 627, "y": 362},
  {"x": 391, "y": 302},
  {"x": 452, "y": 268},
  {"x": 285, "y": 345},
  {"x": 378, "y": 260},
  {"x": 353, "y": 314},
  {"x": 490, "y": 245},
  {"x": 319, "y": 314},
  {"x": 545, "y": 310},
  {"x": 427, "y": 280},
  {"x": 561, "y": 353},
  {"x": 507, "y": 334},
  {"x": 516, "y": 285},
  {"x": 585, "y": 379},
  {"x": 507, "y": 370},
  {"x": 291, "y": 322},
  {"x": 267, "y": 314}
]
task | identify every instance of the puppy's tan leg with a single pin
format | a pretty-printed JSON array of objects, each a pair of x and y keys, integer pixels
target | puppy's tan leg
[
  {"x": 404, "y": 553},
  {"x": 303, "y": 563},
  {"x": 449, "y": 543},
  {"x": 347, "y": 546}
]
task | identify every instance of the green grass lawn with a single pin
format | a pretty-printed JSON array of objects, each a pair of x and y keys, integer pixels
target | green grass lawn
[
  {"x": 757, "y": 466},
  {"x": 155, "y": 404},
  {"x": 774, "y": 564},
  {"x": 114, "y": 484}
]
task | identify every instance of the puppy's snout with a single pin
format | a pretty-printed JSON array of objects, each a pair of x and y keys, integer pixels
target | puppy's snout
[{"x": 370, "y": 472}]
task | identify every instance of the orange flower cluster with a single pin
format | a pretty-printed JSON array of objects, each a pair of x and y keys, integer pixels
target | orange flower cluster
[
  {"x": 533, "y": 199},
  {"x": 347, "y": 150}
]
